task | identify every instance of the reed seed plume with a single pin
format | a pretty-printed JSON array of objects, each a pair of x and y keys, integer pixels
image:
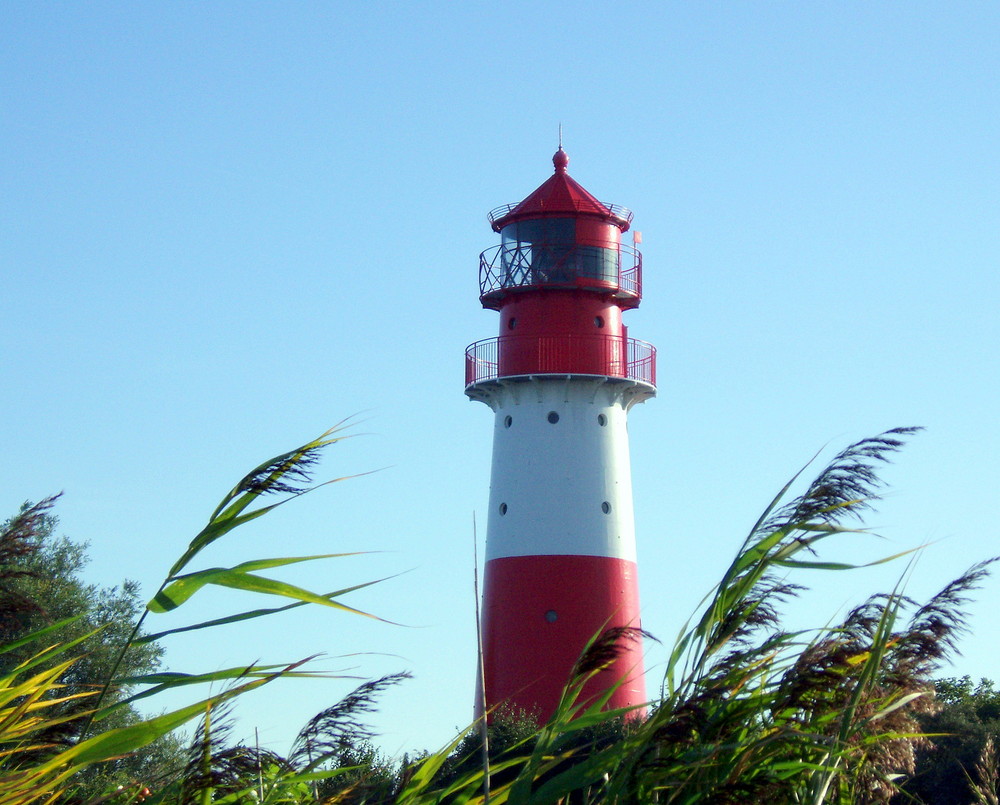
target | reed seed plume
[
  {"x": 936, "y": 626},
  {"x": 215, "y": 766},
  {"x": 757, "y": 611},
  {"x": 20, "y": 534},
  {"x": 20, "y": 538},
  {"x": 607, "y": 648},
  {"x": 290, "y": 474},
  {"x": 340, "y": 727},
  {"x": 848, "y": 486},
  {"x": 985, "y": 785}
]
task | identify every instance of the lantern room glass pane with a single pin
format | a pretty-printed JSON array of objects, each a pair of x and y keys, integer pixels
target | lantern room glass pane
[
  {"x": 545, "y": 251},
  {"x": 535, "y": 252},
  {"x": 544, "y": 231},
  {"x": 598, "y": 263}
]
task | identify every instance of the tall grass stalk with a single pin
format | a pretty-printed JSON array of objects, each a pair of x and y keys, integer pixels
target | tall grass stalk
[
  {"x": 750, "y": 712},
  {"x": 289, "y": 476},
  {"x": 30, "y": 697}
]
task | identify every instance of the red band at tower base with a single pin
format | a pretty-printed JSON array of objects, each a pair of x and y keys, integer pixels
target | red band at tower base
[{"x": 544, "y": 610}]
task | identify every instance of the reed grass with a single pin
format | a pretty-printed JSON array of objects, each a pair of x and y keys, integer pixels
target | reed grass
[{"x": 748, "y": 711}]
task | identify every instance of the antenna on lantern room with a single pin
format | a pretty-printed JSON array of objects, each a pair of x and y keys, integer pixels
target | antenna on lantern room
[{"x": 560, "y": 136}]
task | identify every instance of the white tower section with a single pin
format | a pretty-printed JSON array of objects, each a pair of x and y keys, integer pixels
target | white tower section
[{"x": 561, "y": 481}]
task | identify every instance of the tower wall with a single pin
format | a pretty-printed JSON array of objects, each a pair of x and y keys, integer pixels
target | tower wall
[
  {"x": 560, "y": 378},
  {"x": 561, "y": 558}
]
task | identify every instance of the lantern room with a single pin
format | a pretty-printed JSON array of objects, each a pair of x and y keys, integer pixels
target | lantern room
[
  {"x": 560, "y": 236},
  {"x": 561, "y": 279}
]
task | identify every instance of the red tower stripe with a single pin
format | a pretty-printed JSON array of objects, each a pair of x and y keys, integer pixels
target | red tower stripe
[{"x": 539, "y": 614}]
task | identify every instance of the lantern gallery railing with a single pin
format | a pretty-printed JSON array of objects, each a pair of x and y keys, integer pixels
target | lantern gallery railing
[
  {"x": 530, "y": 265},
  {"x": 513, "y": 355},
  {"x": 623, "y": 214}
]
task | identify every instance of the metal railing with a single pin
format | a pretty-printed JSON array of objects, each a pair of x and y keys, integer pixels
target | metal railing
[
  {"x": 623, "y": 214},
  {"x": 616, "y": 268},
  {"x": 512, "y": 355}
]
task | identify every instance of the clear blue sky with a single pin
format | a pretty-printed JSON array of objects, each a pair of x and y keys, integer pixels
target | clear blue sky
[{"x": 225, "y": 227}]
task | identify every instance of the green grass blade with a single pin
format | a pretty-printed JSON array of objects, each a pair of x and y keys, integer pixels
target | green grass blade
[
  {"x": 37, "y": 635},
  {"x": 250, "y": 614},
  {"x": 840, "y": 565},
  {"x": 173, "y": 680},
  {"x": 118, "y": 742},
  {"x": 174, "y": 597},
  {"x": 183, "y": 587}
]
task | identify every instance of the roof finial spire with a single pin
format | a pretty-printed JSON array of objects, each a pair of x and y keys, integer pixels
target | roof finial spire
[{"x": 560, "y": 160}]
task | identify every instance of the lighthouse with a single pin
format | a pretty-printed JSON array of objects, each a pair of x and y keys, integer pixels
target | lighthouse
[{"x": 560, "y": 378}]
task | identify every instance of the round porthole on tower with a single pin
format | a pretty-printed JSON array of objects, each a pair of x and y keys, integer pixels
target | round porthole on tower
[
  {"x": 606, "y": 507},
  {"x": 503, "y": 509},
  {"x": 551, "y": 616},
  {"x": 598, "y": 321},
  {"x": 511, "y": 323},
  {"x": 508, "y": 421},
  {"x": 553, "y": 417},
  {"x": 602, "y": 420}
]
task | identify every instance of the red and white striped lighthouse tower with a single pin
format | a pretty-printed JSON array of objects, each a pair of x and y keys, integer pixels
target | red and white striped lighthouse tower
[{"x": 560, "y": 379}]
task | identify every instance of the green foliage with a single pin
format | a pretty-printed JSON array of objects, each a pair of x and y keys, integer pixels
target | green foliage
[
  {"x": 365, "y": 776},
  {"x": 960, "y": 753},
  {"x": 107, "y": 731},
  {"x": 510, "y": 734},
  {"x": 44, "y": 586},
  {"x": 748, "y": 712},
  {"x": 978, "y": 702}
]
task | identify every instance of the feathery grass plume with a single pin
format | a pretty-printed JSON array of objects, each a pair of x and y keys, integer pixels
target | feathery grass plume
[
  {"x": 848, "y": 485},
  {"x": 985, "y": 786},
  {"x": 19, "y": 535},
  {"x": 20, "y": 538},
  {"x": 936, "y": 626},
  {"x": 747, "y": 596},
  {"x": 339, "y": 728},
  {"x": 216, "y": 767},
  {"x": 608, "y": 647},
  {"x": 289, "y": 474}
]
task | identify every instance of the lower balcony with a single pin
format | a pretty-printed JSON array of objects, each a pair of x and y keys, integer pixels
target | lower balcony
[{"x": 516, "y": 355}]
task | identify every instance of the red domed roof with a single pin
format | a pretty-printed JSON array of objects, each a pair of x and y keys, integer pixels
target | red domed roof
[{"x": 560, "y": 194}]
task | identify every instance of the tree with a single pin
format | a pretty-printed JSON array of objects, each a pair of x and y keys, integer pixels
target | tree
[
  {"x": 41, "y": 584},
  {"x": 967, "y": 718}
]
